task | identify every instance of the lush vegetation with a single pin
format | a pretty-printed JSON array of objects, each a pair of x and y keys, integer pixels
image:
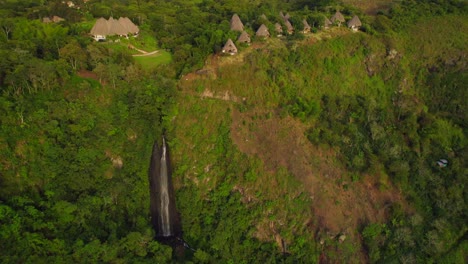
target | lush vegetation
[{"x": 78, "y": 119}]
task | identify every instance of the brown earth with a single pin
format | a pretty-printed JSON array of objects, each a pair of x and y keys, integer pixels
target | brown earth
[
  {"x": 339, "y": 205},
  {"x": 87, "y": 74}
]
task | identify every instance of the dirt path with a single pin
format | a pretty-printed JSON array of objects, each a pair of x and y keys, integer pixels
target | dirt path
[{"x": 145, "y": 53}]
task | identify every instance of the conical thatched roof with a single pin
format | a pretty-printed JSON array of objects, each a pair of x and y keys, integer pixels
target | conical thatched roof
[
  {"x": 289, "y": 26},
  {"x": 115, "y": 28},
  {"x": 236, "y": 23},
  {"x": 263, "y": 16},
  {"x": 128, "y": 25},
  {"x": 337, "y": 17},
  {"x": 284, "y": 17},
  {"x": 354, "y": 22},
  {"x": 278, "y": 28},
  {"x": 327, "y": 22},
  {"x": 229, "y": 47},
  {"x": 244, "y": 37},
  {"x": 122, "y": 26},
  {"x": 262, "y": 31},
  {"x": 306, "y": 25},
  {"x": 100, "y": 27}
]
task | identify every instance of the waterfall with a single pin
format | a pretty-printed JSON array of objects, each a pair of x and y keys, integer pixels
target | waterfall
[
  {"x": 164, "y": 192},
  {"x": 164, "y": 216}
]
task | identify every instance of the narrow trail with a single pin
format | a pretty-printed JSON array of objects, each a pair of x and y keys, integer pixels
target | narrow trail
[{"x": 143, "y": 52}]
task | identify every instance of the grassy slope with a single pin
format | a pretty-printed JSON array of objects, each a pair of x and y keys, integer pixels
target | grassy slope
[
  {"x": 214, "y": 170},
  {"x": 154, "y": 60},
  {"x": 370, "y": 7},
  {"x": 276, "y": 145},
  {"x": 268, "y": 134}
]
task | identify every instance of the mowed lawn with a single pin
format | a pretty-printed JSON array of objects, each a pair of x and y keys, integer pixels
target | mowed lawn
[{"x": 154, "y": 60}]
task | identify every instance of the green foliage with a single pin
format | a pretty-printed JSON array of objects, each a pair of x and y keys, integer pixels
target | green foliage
[
  {"x": 63, "y": 196},
  {"x": 304, "y": 110},
  {"x": 74, "y": 55},
  {"x": 404, "y": 14},
  {"x": 379, "y": 112},
  {"x": 393, "y": 101}
]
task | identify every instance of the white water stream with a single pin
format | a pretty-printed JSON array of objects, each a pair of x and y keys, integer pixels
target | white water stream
[{"x": 165, "y": 217}]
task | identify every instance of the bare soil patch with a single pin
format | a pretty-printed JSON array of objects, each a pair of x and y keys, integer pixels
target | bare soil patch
[
  {"x": 339, "y": 205},
  {"x": 87, "y": 74}
]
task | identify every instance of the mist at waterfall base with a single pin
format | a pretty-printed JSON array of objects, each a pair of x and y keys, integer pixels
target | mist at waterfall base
[{"x": 164, "y": 216}]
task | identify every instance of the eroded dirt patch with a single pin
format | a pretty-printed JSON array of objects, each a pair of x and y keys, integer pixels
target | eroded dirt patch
[
  {"x": 339, "y": 205},
  {"x": 87, "y": 74}
]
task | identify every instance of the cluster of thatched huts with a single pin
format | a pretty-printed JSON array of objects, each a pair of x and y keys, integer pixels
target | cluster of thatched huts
[
  {"x": 236, "y": 25},
  {"x": 263, "y": 32},
  {"x": 338, "y": 18},
  {"x": 121, "y": 27}
]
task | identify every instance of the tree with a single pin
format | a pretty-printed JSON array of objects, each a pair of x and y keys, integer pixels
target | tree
[
  {"x": 7, "y": 25},
  {"x": 74, "y": 54}
]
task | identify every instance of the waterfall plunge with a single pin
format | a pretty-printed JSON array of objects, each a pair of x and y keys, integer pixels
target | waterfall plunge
[
  {"x": 164, "y": 192},
  {"x": 164, "y": 216}
]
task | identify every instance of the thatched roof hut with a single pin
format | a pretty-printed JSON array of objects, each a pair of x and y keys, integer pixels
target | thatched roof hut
[
  {"x": 263, "y": 16},
  {"x": 262, "y": 31},
  {"x": 100, "y": 29},
  {"x": 229, "y": 47},
  {"x": 115, "y": 28},
  {"x": 128, "y": 25},
  {"x": 289, "y": 26},
  {"x": 278, "y": 29},
  {"x": 122, "y": 27},
  {"x": 306, "y": 26},
  {"x": 327, "y": 23},
  {"x": 337, "y": 18},
  {"x": 236, "y": 23},
  {"x": 354, "y": 23},
  {"x": 284, "y": 17},
  {"x": 244, "y": 37}
]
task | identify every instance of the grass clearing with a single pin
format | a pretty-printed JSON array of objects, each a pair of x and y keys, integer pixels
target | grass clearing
[{"x": 154, "y": 60}]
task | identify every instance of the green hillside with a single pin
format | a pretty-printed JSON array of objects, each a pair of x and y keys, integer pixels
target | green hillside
[{"x": 323, "y": 147}]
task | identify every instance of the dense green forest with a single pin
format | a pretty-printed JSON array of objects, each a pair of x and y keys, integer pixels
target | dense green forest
[{"x": 308, "y": 148}]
